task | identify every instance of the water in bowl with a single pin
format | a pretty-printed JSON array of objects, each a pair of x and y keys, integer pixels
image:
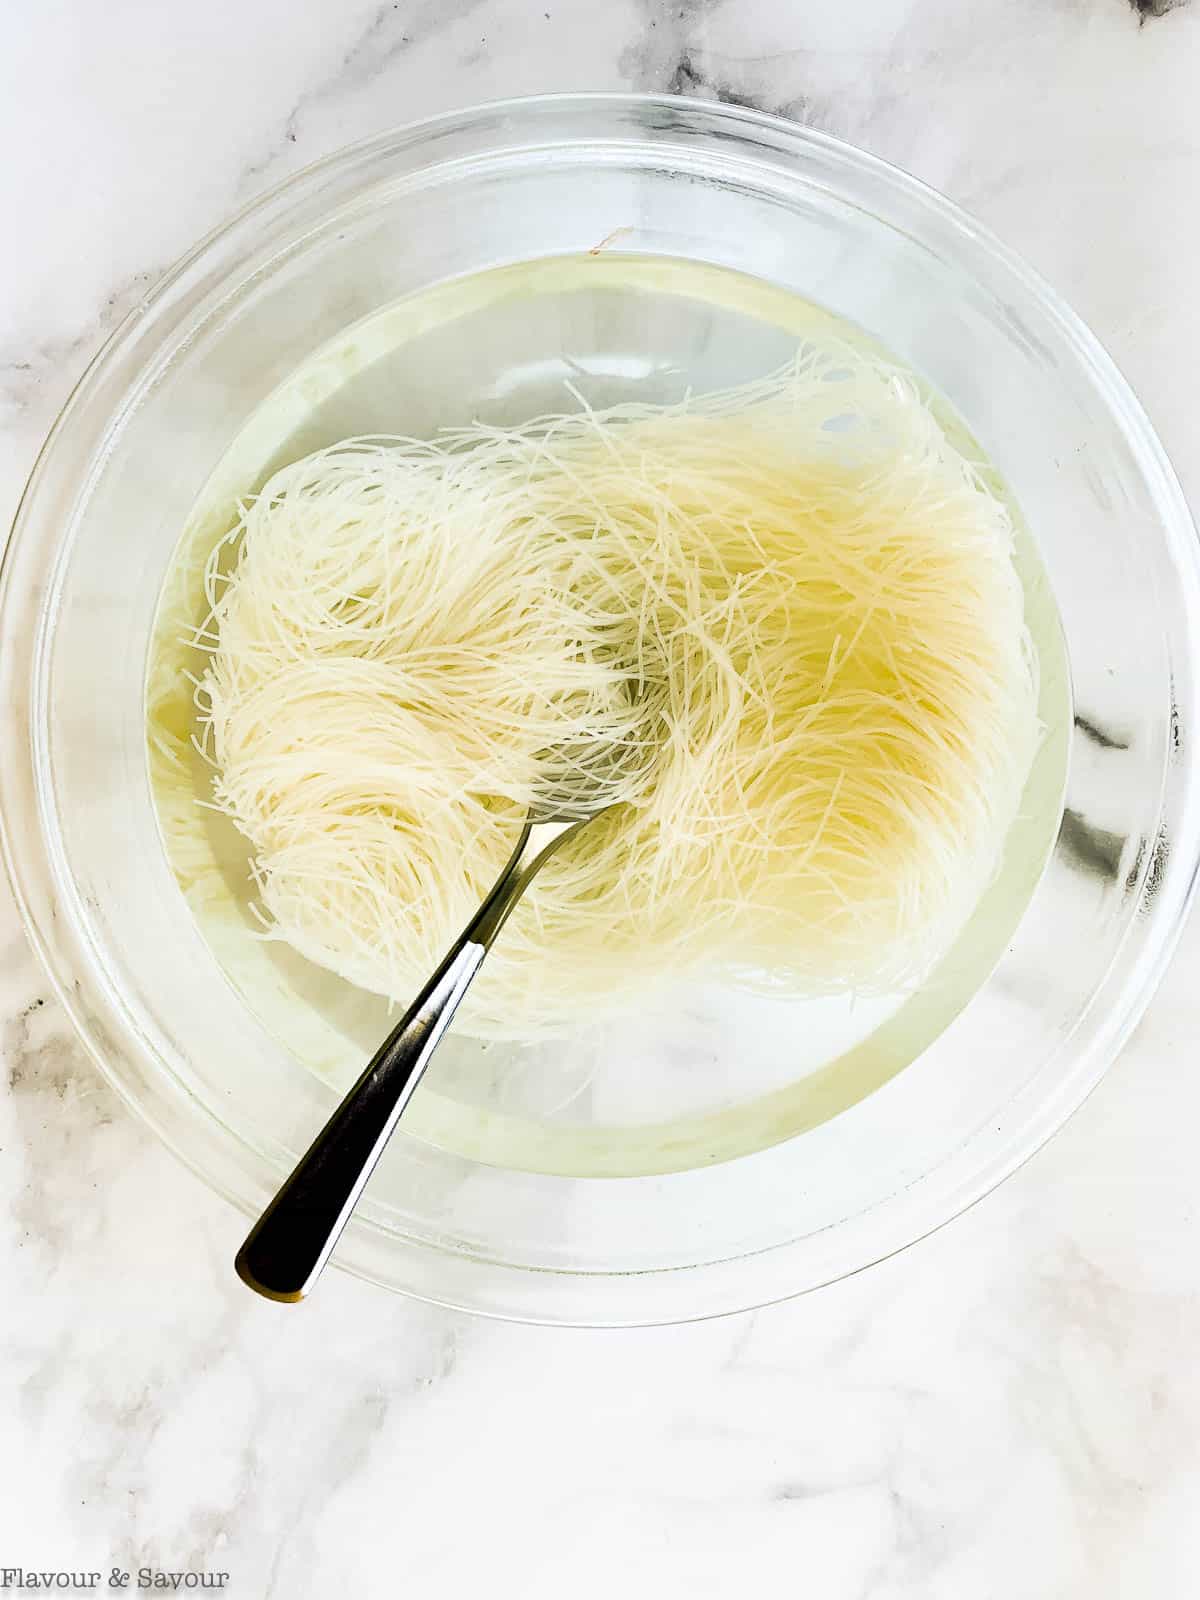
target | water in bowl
[{"x": 705, "y": 1074}]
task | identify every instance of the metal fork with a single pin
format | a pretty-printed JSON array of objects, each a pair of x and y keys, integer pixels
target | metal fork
[{"x": 288, "y": 1246}]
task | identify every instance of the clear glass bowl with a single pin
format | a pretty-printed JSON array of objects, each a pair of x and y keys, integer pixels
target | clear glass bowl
[{"x": 849, "y": 1163}]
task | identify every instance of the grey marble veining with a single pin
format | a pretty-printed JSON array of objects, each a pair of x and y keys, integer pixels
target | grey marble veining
[{"x": 1011, "y": 1408}]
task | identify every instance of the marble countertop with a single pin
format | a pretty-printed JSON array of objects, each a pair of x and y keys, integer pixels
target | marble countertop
[{"x": 1011, "y": 1408}]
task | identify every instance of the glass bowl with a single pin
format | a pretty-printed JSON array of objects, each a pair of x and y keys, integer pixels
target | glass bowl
[{"x": 784, "y": 1169}]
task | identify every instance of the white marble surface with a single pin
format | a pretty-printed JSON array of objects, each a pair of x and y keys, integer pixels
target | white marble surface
[{"x": 1010, "y": 1409}]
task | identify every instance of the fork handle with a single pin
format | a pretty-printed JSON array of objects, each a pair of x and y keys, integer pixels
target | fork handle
[{"x": 288, "y": 1246}]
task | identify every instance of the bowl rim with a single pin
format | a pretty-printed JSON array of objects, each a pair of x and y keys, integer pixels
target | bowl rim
[{"x": 27, "y": 853}]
